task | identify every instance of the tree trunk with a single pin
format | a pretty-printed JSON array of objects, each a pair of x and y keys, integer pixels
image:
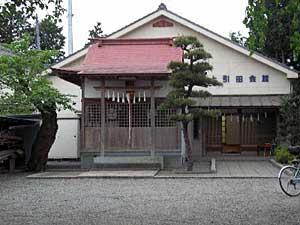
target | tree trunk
[
  {"x": 189, "y": 159},
  {"x": 44, "y": 140}
]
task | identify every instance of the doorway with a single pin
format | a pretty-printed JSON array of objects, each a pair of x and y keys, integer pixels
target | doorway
[{"x": 231, "y": 133}]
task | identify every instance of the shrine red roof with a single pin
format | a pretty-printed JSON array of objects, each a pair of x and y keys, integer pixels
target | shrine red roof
[{"x": 127, "y": 56}]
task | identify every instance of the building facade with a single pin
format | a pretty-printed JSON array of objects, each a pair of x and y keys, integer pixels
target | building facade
[{"x": 134, "y": 126}]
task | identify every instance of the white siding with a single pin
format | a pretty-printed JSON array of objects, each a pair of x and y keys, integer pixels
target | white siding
[
  {"x": 66, "y": 142},
  {"x": 225, "y": 61},
  {"x": 70, "y": 89}
]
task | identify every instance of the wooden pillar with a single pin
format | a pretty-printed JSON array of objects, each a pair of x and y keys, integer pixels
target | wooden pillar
[
  {"x": 103, "y": 131},
  {"x": 278, "y": 131},
  {"x": 152, "y": 113},
  {"x": 241, "y": 129},
  {"x": 200, "y": 138},
  {"x": 82, "y": 130},
  {"x": 130, "y": 142},
  {"x": 12, "y": 164},
  {"x": 204, "y": 133}
]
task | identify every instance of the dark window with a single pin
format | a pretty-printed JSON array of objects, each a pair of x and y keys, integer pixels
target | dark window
[
  {"x": 225, "y": 78},
  {"x": 129, "y": 83},
  {"x": 265, "y": 78},
  {"x": 196, "y": 129},
  {"x": 252, "y": 78},
  {"x": 239, "y": 79}
]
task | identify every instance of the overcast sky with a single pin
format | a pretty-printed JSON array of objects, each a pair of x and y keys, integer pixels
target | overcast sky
[{"x": 220, "y": 16}]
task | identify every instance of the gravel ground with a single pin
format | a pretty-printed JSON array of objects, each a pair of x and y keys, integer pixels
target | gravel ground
[{"x": 145, "y": 201}]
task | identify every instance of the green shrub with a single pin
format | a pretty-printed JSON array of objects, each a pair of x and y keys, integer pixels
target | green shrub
[{"x": 282, "y": 155}]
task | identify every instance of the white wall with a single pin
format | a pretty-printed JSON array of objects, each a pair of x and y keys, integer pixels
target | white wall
[
  {"x": 70, "y": 89},
  {"x": 65, "y": 145},
  {"x": 225, "y": 61},
  {"x": 66, "y": 142},
  {"x": 89, "y": 90}
]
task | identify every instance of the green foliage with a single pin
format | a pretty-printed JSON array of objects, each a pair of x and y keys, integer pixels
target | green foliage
[
  {"x": 15, "y": 16},
  {"x": 52, "y": 37},
  {"x": 282, "y": 155},
  {"x": 187, "y": 75},
  {"x": 274, "y": 29},
  {"x": 12, "y": 23},
  {"x": 197, "y": 113},
  {"x": 238, "y": 38},
  {"x": 96, "y": 32},
  {"x": 24, "y": 88},
  {"x": 290, "y": 113}
]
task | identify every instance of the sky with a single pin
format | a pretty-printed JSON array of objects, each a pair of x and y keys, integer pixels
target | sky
[{"x": 220, "y": 16}]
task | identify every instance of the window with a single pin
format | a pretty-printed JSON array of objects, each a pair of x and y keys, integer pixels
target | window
[
  {"x": 239, "y": 79},
  {"x": 225, "y": 78},
  {"x": 116, "y": 114},
  {"x": 265, "y": 78},
  {"x": 196, "y": 128},
  {"x": 252, "y": 79},
  {"x": 129, "y": 83},
  {"x": 163, "y": 118},
  {"x": 92, "y": 116}
]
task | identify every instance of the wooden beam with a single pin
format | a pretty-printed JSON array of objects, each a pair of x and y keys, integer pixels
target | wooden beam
[
  {"x": 127, "y": 88},
  {"x": 278, "y": 127},
  {"x": 152, "y": 113},
  {"x": 103, "y": 131},
  {"x": 82, "y": 130}
]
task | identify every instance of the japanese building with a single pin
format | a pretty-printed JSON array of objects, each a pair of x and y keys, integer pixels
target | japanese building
[{"x": 124, "y": 78}]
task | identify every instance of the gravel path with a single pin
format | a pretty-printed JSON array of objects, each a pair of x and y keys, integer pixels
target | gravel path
[{"x": 144, "y": 201}]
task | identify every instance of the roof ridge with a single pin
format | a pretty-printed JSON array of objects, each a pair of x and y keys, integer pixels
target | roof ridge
[{"x": 133, "y": 41}]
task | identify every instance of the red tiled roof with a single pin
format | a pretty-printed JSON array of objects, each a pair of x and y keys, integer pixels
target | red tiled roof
[{"x": 128, "y": 56}]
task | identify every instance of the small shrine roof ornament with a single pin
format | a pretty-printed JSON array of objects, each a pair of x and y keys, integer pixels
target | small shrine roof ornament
[{"x": 162, "y": 6}]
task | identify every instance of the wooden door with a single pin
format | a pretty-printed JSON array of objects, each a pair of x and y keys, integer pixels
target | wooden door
[{"x": 232, "y": 134}]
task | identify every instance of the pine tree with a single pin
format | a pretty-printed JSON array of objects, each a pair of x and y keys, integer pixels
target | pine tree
[{"x": 185, "y": 77}]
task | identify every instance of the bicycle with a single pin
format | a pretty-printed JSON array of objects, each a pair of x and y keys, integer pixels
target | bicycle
[{"x": 289, "y": 176}]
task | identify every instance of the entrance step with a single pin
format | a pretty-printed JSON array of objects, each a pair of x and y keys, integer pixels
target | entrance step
[
  {"x": 200, "y": 166},
  {"x": 142, "y": 162}
]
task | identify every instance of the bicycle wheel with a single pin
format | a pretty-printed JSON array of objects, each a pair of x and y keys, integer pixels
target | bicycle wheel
[{"x": 288, "y": 181}]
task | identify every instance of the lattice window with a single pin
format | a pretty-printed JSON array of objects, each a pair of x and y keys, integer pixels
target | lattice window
[
  {"x": 92, "y": 115},
  {"x": 116, "y": 114},
  {"x": 163, "y": 118},
  {"x": 141, "y": 115}
]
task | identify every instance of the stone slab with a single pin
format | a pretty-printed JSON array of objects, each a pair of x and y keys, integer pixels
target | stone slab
[
  {"x": 119, "y": 174},
  {"x": 233, "y": 170},
  {"x": 55, "y": 174},
  {"x": 224, "y": 169},
  {"x": 95, "y": 174}
]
